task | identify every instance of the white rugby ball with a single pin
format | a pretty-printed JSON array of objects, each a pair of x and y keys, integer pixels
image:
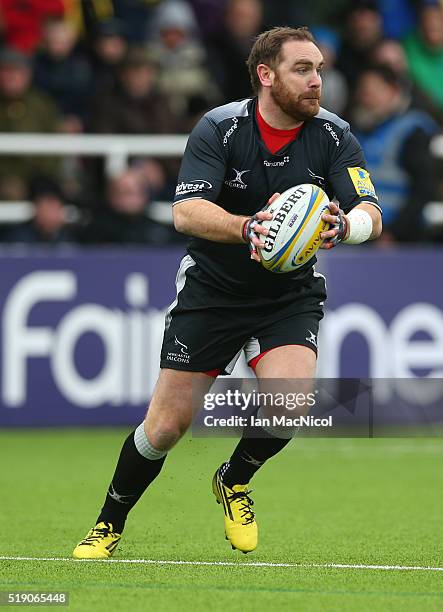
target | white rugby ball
[{"x": 294, "y": 230}]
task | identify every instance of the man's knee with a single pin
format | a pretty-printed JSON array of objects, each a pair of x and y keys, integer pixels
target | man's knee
[
  {"x": 171, "y": 409},
  {"x": 165, "y": 433},
  {"x": 169, "y": 416}
]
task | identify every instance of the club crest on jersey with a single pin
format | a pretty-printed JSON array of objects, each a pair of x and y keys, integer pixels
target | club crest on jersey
[
  {"x": 362, "y": 182},
  {"x": 319, "y": 179},
  {"x": 183, "y": 347},
  {"x": 237, "y": 182},
  {"x": 180, "y": 355}
]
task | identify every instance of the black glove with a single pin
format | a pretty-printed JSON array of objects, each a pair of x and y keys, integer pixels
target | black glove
[
  {"x": 342, "y": 226},
  {"x": 248, "y": 232}
]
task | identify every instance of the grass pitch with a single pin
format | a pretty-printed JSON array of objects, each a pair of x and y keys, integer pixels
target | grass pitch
[{"x": 320, "y": 501}]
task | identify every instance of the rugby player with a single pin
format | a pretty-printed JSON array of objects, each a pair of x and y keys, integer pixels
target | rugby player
[{"x": 238, "y": 157}]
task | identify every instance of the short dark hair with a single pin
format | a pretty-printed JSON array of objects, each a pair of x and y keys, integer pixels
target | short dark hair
[
  {"x": 267, "y": 49},
  {"x": 384, "y": 72},
  {"x": 137, "y": 57},
  {"x": 13, "y": 57},
  {"x": 44, "y": 186}
]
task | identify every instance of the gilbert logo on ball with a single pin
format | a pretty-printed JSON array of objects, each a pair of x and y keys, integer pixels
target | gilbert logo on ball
[{"x": 294, "y": 231}]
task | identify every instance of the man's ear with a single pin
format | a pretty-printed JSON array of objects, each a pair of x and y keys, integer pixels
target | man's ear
[{"x": 265, "y": 74}]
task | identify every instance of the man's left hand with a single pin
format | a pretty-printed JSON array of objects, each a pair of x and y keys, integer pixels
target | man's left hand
[
  {"x": 339, "y": 227},
  {"x": 258, "y": 234}
]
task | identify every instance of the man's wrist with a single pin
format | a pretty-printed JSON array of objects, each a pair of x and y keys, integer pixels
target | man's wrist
[
  {"x": 359, "y": 227},
  {"x": 245, "y": 229},
  {"x": 347, "y": 228}
]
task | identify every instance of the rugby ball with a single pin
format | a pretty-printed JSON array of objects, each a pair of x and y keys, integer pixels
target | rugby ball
[{"x": 294, "y": 230}]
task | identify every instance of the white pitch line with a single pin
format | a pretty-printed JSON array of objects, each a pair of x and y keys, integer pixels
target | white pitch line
[{"x": 404, "y": 568}]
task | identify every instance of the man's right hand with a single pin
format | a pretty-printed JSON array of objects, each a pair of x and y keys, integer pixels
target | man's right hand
[{"x": 253, "y": 230}]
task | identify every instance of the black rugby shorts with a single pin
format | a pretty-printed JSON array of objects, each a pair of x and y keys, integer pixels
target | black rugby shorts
[{"x": 206, "y": 329}]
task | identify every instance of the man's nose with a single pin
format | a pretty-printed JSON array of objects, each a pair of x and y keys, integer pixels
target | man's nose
[{"x": 315, "y": 80}]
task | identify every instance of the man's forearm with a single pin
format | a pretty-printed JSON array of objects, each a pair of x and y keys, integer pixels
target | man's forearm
[
  {"x": 204, "y": 219},
  {"x": 375, "y": 215}
]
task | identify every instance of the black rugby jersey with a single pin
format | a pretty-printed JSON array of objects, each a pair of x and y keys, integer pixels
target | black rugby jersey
[{"x": 227, "y": 162}]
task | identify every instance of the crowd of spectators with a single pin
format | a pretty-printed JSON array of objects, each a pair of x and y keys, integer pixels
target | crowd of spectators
[{"x": 155, "y": 66}]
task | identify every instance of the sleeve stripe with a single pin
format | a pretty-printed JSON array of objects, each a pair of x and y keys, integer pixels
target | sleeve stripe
[
  {"x": 187, "y": 199},
  {"x": 372, "y": 204}
]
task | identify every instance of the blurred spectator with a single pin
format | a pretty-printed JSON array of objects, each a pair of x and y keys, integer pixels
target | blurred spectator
[
  {"x": 391, "y": 53},
  {"x": 125, "y": 220},
  {"x": 85, "y": 14},
  {"x": 184, "y": 77},
  {"x": 399, "y": 17},
  {"x": 63, "y": 70},
  {"x": 48, "y": 224},
  {"x": 109, "y": 49},
  {"x": 363, "y": 30},
  {"x": 136, "y": 14},
  {"x": 424, "y": 50},
  {"x": 334, "y": 88},
  {"x": 134, "y": 105},
  {"x": 22, "y": 109},
  {"x": 159, "y": 177},
  {"x": 282, "y": 12},
  {"x": 229, "y": 47},
  {"x": 395, "y": 140},
  {"x": 209, "y": 14},
  {"x": 21, "y": 21}
]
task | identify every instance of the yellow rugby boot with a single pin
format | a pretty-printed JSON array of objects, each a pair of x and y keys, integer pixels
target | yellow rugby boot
[
  {"x": 100, "y": 543},
  {"x": 240, "y": 526}
]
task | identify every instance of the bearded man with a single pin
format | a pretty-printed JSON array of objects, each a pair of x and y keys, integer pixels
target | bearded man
[{"x": 239, "y": 157}]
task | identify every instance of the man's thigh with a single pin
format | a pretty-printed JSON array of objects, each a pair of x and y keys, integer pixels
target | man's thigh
[
  {"x": 284, "y": 357},
  {"x": 177, "y": 395},
  {"x": 287, "y": 378},
  {"x": 290, "y": 361}
]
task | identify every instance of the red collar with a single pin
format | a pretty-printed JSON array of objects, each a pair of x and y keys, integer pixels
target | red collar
[{"x": 274, "y": 138}]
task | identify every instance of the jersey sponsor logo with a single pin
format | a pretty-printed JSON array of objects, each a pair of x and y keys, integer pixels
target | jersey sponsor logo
[
  {"x": 192, "y": 187},
  {"x": 330, "y": 129},
  {"x": 362, "y": 182},
  {"x": 320, "y": 179},
  {"x": 237, "y": 182},
  {"x": 284, "y": 161},
  {"x": 231, "y": 130}
]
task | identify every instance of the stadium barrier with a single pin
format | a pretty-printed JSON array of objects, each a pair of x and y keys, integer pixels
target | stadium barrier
[
  {"x": 81, "y": 330},
  {"x": 116, "y": 150}
]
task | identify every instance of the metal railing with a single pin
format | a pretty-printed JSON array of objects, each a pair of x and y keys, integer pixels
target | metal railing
[
  {"x": 437, "y": 146},
  {"x": 115, "y": 149}
]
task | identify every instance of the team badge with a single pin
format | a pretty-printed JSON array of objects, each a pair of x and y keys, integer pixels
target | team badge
[{"x": 362, "y": 182}]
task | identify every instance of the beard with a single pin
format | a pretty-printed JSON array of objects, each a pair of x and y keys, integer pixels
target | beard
[{"x": 300, "y": 108}]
